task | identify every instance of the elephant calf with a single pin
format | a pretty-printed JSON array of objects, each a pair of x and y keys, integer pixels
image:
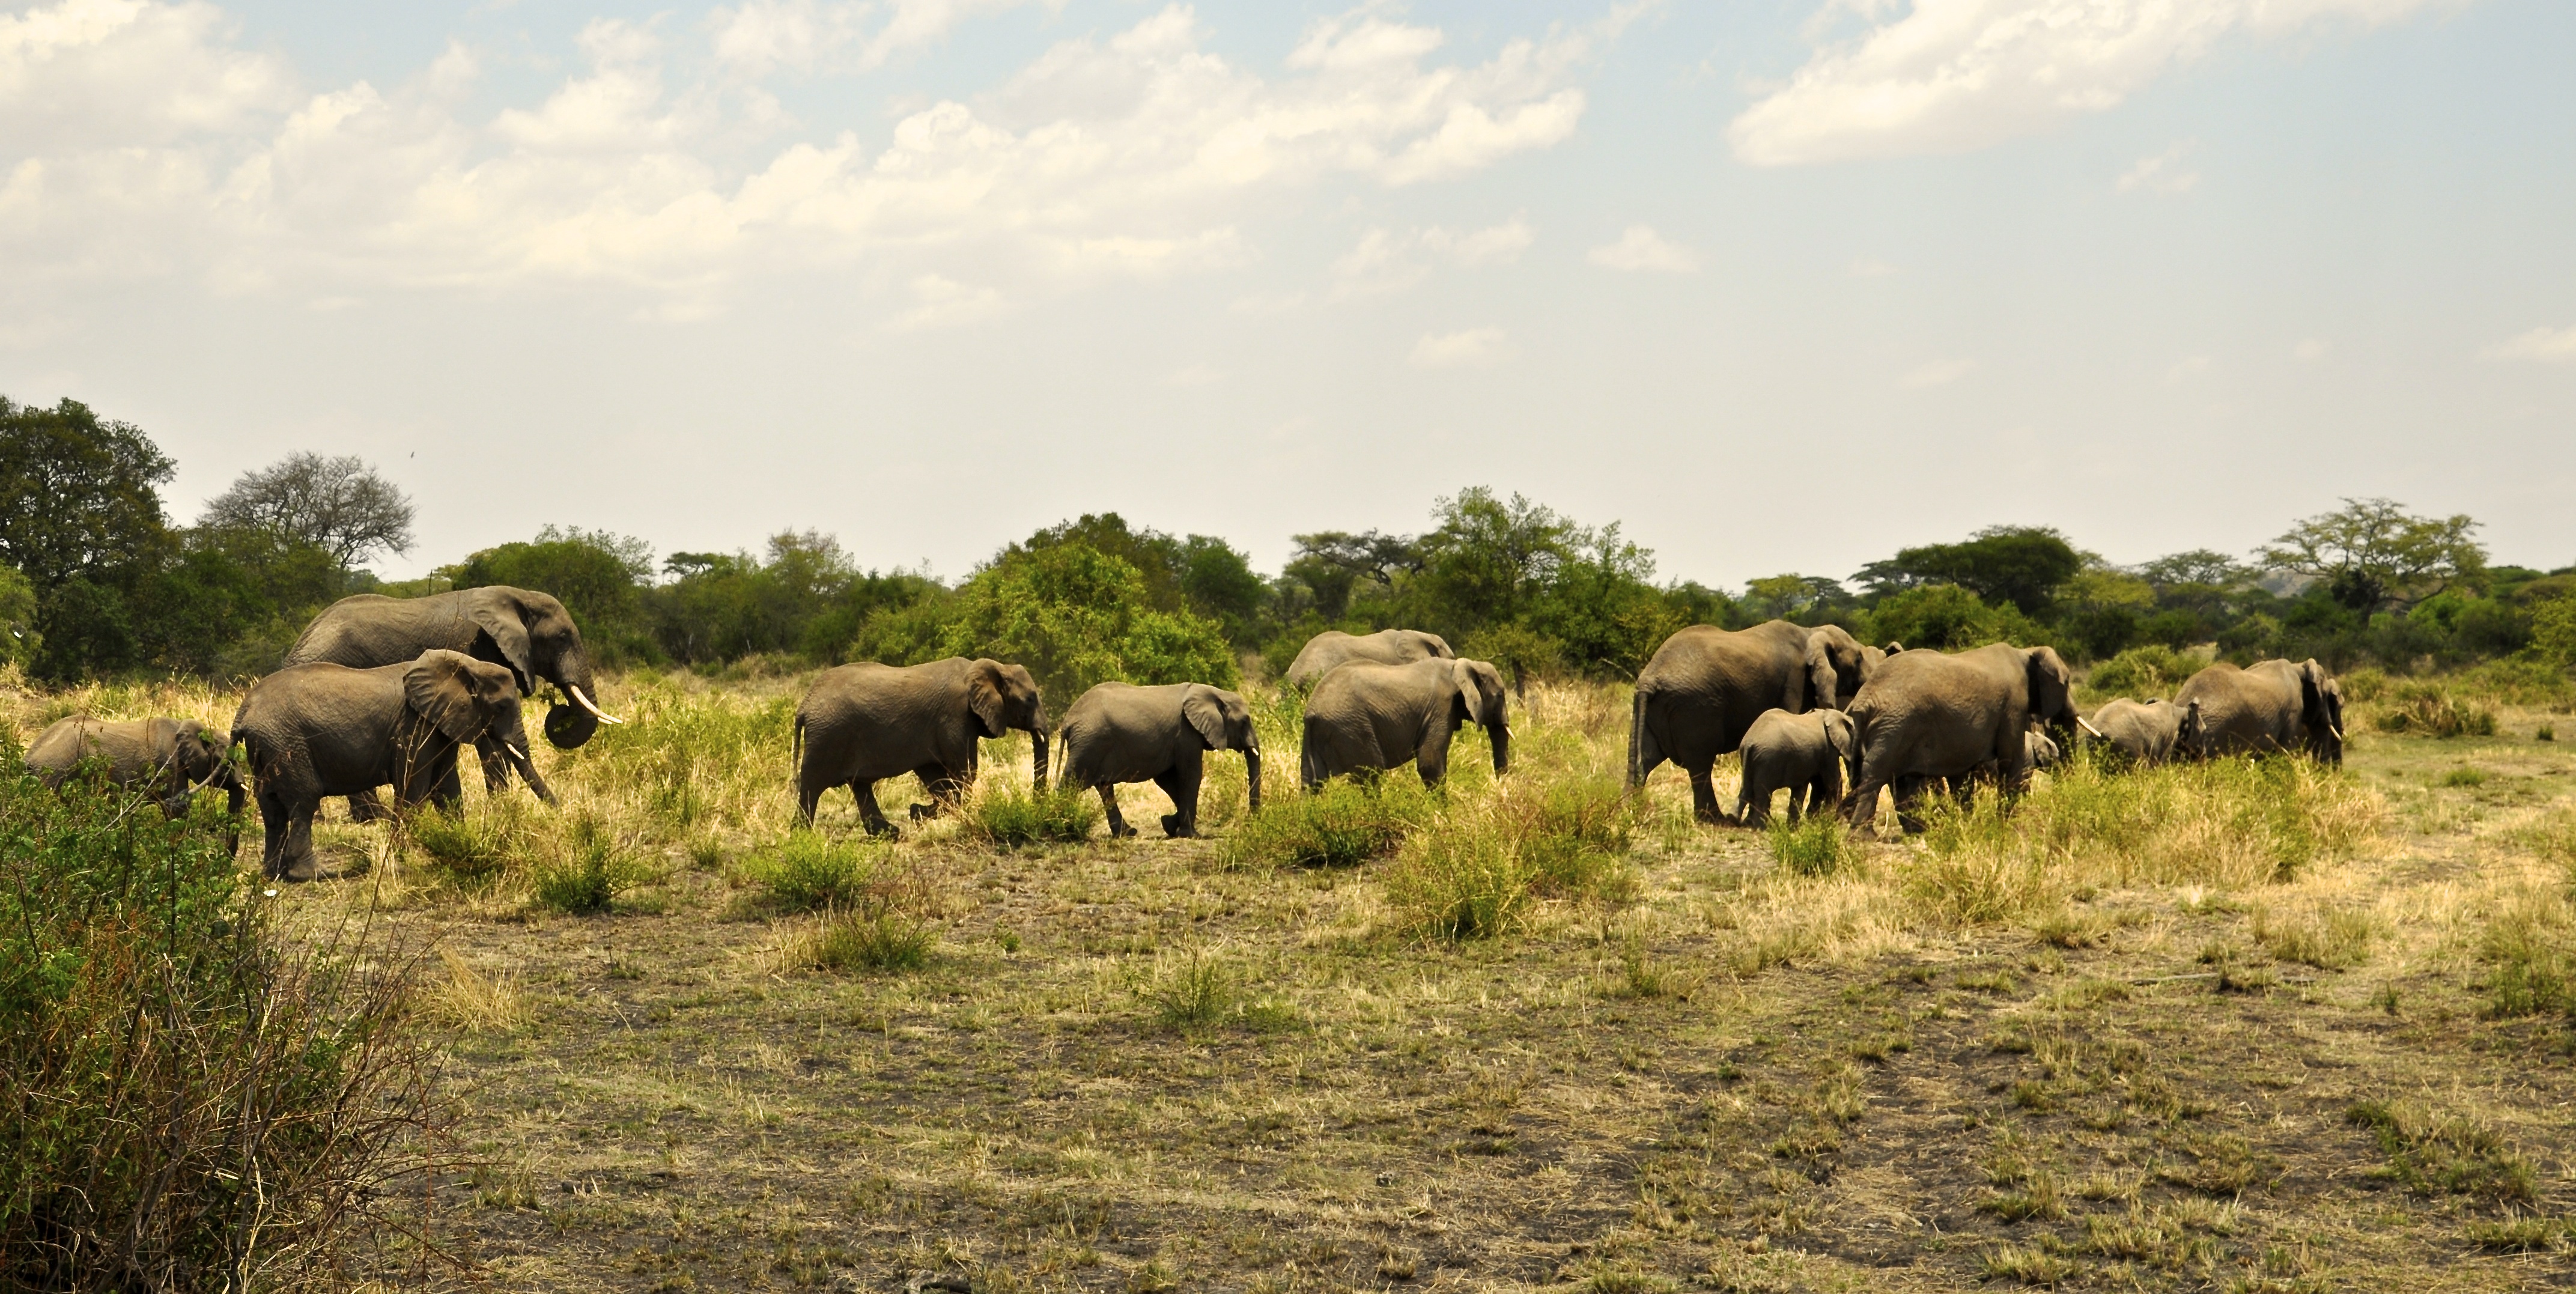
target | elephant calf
[
  {"x": 2150, "y": 732},
  {"x": 1807, "y": 753},
  {"x": 1365, "y": 716},
  {"x": 1119, "y": 732},
  {"x": 313, "y": 731},
  {"x": 167, "y": 759},
  {"x": 861, "y": 723}
]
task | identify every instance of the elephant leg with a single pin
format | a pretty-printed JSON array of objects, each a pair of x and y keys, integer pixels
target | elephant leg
[
  {"x": 274, "y": 822},
  {"x": 1118, "y": 827},
  {"x": 448, "y": 791},
  {"x": 1181, "y": 782},
  {"x": 292, "y": 848},
  {"x": 1704, "y": 794},
  {"x": 870, "y": 816},
  {"x": 1860, "y": 808},
  {"x": 1909, "y": 803},
  {"x": 365, "y": 807},
  {"x": 1431, "y": 758},
  {"x": 945, "y": 787}
]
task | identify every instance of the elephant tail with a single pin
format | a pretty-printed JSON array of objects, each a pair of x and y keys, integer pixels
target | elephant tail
[
  {"x": 1637, "y": 739},
  {"x": 1310, "y": 759},
  {"x": 796, "y": 755}
]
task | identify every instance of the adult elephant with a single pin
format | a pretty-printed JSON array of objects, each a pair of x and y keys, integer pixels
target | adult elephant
[
  {"x": 313, "y": 731},
  {"x": 2149, "y": 732},
  {"x": 1119, "y": 732},
  {"x": 864, "y": 722},
  {"x": 1705, "y": 686},
  {"x": 1385, "y": 647},
  {"x": 167, "y": 759},
  {"x": 2270, "y": 705},
  {"x": 1928, "y": 715},
  {"x": 528, "y": 633},
  {"x": 1366, "y": 716}
]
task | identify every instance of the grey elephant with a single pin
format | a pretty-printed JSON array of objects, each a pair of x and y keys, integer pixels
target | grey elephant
[
  {"x": 2149, "y": 732},
  {"x": 1705, "y": 686},
  {"x": 1119, "y": 732},
  {"x": 2270, "y": 705},
  {"x": 314, "y": 731},
  {"x": 528, "y": 633},
  {"x": 1365, "y": 716},
  {"x": 864, "y": 722},
  {"x": 1385, "y": 647},
  {"x": 1807, "y": 753},
  {"x": 167, "y": 759},
  {"x": 1929, "y": 716}
]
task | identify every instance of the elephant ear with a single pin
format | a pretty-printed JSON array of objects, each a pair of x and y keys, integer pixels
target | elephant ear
[
  {"x": 986, "y": 698},
  {"x": 1822, "y": 686},
  {"x": 1843, "y": 735},
  {"x": 1472, "y": 693},
  {"x": 440, "y": 685},
  {"x": 500, "y": 622},
  {"x": 1200, "y": 707},
  {"x": 2050, "y": 698},
  {"x": 165, "y": 736}
]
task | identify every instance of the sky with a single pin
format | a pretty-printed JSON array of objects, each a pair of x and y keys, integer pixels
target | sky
[{"x": 1778, "y": 285}]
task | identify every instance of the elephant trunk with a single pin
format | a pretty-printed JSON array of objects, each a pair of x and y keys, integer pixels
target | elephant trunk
[
  {"x": 1252, "y": 774},
  {"x": 1038, "y": 758},
  {"x": 575, "y": 719},
  {"x": 1502, "y": 739}
]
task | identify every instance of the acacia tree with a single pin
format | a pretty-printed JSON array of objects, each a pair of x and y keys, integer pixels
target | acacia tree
[
  {"x": 2374, "y": 556},
  {"x": 338, "y": 505}
]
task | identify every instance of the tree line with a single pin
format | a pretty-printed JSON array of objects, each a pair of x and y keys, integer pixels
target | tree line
[{"x": 96, "y": 580}]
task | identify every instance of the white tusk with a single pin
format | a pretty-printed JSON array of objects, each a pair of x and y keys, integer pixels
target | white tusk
[
  {"x": 2338, "y": 732},
  {"x": 521, "y": 754},
  {"x": 2089, "y": 727},
  {"x": 595, "y": 712}
]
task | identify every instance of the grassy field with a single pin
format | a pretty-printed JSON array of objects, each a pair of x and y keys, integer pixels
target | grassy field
[{"x": 2240, "y": 1026}]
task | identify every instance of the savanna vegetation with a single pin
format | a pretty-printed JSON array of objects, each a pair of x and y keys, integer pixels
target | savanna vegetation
[{"x": 2244, "y": 1024}]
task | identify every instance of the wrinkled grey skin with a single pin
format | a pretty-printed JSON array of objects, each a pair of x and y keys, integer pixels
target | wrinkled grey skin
[
  {"x": 1119, "y": 732},
  {"x": 2270, "y": 705},
  {"x": 861, "y": 723},
  {"x": 1807, "y": 753},
  {"x": 2149, "y": 732},
  {"x": 313, "y": 731},
  {"x": 2038, "y": 750},
  {"x": 167, "y": 759},
  {"x": 1928, "y": 715},
  {"x": 1366, "y": 716},
  {"x": 1385, "y": 647},
  {"x": 528, "y": 633},
  {"x": 1705, "y": 686}
]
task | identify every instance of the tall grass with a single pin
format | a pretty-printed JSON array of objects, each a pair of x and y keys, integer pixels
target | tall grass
[
  {"x": 1012, "y": 815},
  {"x": 188, "y": 1099},
  {"x": 1479, "y": 865},
  {"x": 2429, "y": 709},
  {"x": 1343, "y": 824}
]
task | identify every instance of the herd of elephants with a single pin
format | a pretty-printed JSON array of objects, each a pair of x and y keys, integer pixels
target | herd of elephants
[{"x": 382, "y": 691}]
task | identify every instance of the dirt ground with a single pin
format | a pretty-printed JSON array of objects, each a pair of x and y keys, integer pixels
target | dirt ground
[{"x": 2158, "y": 1093}]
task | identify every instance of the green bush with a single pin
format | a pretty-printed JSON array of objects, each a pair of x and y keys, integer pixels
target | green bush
[
  {"x": 1475, "y": 870},
  {"x": 597, "y": 869},
  {"x": 2531, "y": 946},
  {"x": 1817, "y": 845},
  {"x": 2143, "y": 672},
  {"x": 1077, "y": 616},
  {"x": 880, "y": 940},
  {"x": 187, "y": 1100},
  {"x": 1342, "y": 824},
  {"x": 807, "y": 871},
  {"x": 1013, "y": 816},
  {"x": 473, "y": 847},
  {"x": 2429, "y": 709}
]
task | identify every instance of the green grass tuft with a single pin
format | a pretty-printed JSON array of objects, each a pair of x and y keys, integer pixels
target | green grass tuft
[
  {"x": 1012, "y": 816},
  {"x": 1342, "y": 824},
  {"x": 2429, "y": 710},
  {"x": 808, "y": 872},
  {"x": 2453, "y": 1155},
  {"x": 1817, "y": 845},
  {"x": 596, "y": 869}
]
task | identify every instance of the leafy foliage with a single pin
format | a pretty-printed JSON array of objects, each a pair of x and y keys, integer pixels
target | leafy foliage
[
  {"x": 2373, "y": 555},
  {"x": 336, "y": 505},
  {"x": 1076, "y": 616}
]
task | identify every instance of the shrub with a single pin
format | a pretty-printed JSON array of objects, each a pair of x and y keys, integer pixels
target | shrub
[
  {"x": 806, "y": 871},
  {"x": 1013, "y": 816},
  {"x": 1816, "y": 845},
  {"x": 1192, "y": 993},
  {"x": 1461, "y": 880},
  {"x": 598, "y": 869},
  {"x": 186, "y": 1100},
  {"x": 1342, "y": 824},
  {"x": 2142, "y": 672},
  {"x": 2429, "y": 709},
  {"x": 1474, "y": 869},
  {"x": 881, "y": 939}
]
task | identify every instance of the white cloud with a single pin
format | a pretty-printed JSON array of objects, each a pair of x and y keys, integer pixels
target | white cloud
[
  {"x": 1473, "y": 348},
  {"x": 2160, "y": 173},
  {"x": 2543, "y": 345},
  {"x": 1385, "y": 262},
  {"x": 1946, "y": 76},
  {"x": 1138, "y": 154},
  {"x": 1641, "y": 248},
  {"x": 946, "y": 303},
  {"x": 2311, "y": 349},
  {"x": 1939, "y": 372},
  {"x": 1869, "y": 269}
]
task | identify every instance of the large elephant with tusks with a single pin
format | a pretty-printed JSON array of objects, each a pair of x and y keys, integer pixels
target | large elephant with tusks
[
  {"x": 1928, "y": 716},
  {"x": 1705, "y": 686}
]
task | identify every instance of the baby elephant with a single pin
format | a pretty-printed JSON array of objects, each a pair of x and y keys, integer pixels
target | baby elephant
[
  {"x": 167, "y": 759},
  {"x": 2151, "y": 732},
  {"x": 1119, "y": 732},
  {"x": 1808, "y": 753}
]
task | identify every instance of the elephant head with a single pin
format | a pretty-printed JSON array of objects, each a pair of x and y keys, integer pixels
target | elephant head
[
  {"x": 2321, "y": 711},
  {"x": 1003, "y": 697},
  {"x": 1480, "y": 691},
  {"x": 1836, "y": 665},
  {"x": 463, "y": 699},
  {"x": 2187, "y": 730},
  {"x": 1224, "y": 722},
  {"x": 196, "y": 757},
  {"x": 1844, "y": 736},
  {"x": 537, "y": 638},
  {"x": 2052, "y": 694}
]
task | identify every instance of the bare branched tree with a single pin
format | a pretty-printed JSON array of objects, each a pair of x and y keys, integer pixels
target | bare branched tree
[{"x": 338, "y": 505}]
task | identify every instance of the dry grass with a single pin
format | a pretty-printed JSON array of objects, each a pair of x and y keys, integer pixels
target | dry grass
[{"x": 473, "y": 999}]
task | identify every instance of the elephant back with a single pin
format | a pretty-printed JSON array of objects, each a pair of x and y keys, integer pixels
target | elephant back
[{"x": 368, "y": 630}]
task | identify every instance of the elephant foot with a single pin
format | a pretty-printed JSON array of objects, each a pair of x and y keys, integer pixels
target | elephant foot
[
  {"x": 923, "y": 812},
  {"x": 1121, "y": 831},
  {"x": 1173, "y": 827},
  {"x": 301, "y": 871}
]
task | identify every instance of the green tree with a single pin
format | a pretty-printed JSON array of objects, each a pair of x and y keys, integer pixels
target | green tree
[
  {"x": 19, "y": 639},
  {"x": 599, "y": 577},
  {"x": 1076, "y": 616},
  {"x": 1788, "y": 597},
  {"x": 1489, "y": 559},
  {"x": 2372, "y": 555},
  {"x": 2553, "y": 631},
  {"x": 1949, "y": 617},
  {"x": 1331, "y": 565},
  {"x": 77, "y": 496},
  {"x": 2020, "y": 565},
  {"x": 338, "y": 505}
]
